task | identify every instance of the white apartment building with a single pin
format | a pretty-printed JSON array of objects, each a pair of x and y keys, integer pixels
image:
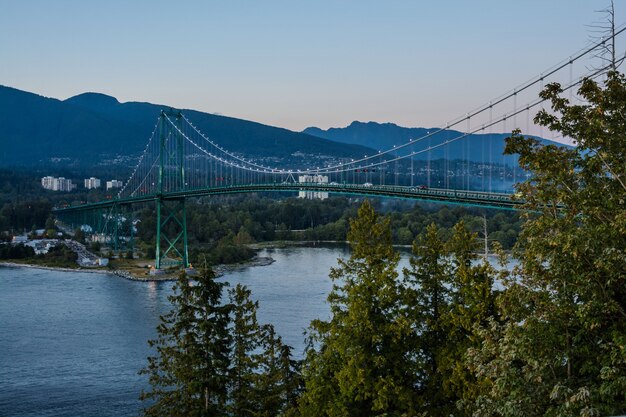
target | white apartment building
[
  {"x": 57, "y": 184},
  {"x": 48, "y": 182},
  {"x": 91, "y": 183},
  {"x": 114, "y": 184}
]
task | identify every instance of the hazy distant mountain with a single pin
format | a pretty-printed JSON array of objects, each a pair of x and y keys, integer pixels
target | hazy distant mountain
[
  {"x": 93, "y": 128},
  {"x": 382, "y": 136}
]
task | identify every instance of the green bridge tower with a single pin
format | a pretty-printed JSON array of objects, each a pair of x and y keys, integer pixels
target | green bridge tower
[{"x": 171, "y": 229}]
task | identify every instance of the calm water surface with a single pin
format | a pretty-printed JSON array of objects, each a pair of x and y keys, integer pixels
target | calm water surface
[{"x": 71, "y": 343}]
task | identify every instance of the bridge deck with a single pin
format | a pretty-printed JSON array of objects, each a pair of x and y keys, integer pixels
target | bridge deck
[{"x": 441, "y": 195}]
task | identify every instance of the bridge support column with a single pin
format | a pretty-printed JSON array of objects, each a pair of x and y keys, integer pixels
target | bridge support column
[
  {"x": 172, "y": 232},
  {"x": 115, "y": 229}
]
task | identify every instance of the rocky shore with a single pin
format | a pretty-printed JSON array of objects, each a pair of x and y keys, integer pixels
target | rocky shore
[{"x": 220, "y": 270}]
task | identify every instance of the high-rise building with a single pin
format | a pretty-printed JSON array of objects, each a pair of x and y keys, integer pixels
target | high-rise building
[
  {"x": 48, "y": 182},
  {"x": 64, "y": 184},
  {"x": 57, "y": 184},
  {"x": 114, "y": 184},
  {"x": 91, "y": 183}
]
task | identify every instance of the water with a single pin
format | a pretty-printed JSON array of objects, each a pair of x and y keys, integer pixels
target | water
[{"x": 71, "y": 343}]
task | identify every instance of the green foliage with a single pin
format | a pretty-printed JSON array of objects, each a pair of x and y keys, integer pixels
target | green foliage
[
  {"x": 561, "y": 352},
  {"x": 427, "y": 298},
  {"x": 224, "y": 252},
  {"x": 472, "y": 305},
  {"x": 447, "y": 293},
  {"x": 398, "y": 347},
  {"x": 358, "y": 363},
  {"x": 212, "y": 227},
  {"x": 245, "y": 354},
  {"x": 59, "y": 255},
  {"x": 278, "y": 377},
  {"x": 189, "y": 374},
  {"x": 50, "y": 223},
  {"x": 79, "y": 235},
  {"x": 242, "y": 237},
  {"x": 264, "y": 380},
  {"x": 19, "y": 215},
  {"x": 214, "y": 359},
  {"x": 20, "y": 251}
]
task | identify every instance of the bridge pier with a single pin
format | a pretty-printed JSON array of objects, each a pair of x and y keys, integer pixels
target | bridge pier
[{"x": 172, "y": 232}]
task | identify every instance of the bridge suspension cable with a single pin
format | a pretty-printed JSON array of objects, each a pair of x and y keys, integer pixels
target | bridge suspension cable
[{"x": 209, "y": 164}]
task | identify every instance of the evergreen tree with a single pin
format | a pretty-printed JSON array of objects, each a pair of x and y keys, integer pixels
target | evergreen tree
[
  {"x": 264, "y": 379},
  {"x": 428, "y": 300},
  {"x": 562, "y": 351},
  {"x": 472, "y": 306},
  {"x": 292, "y": 388},
  {"x": 358, "y": 364},
  {"x": 245, "y": 354},
  {"x": 448, "y": 294},
  {"x": 189, "y": 374},
  {"x": 278, "y": 377}
]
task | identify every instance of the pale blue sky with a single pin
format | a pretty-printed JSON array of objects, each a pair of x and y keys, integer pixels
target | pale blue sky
[{"x": 292, "y": 63}]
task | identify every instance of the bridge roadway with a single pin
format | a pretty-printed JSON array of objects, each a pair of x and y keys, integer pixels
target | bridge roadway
[{"x": 441, "y": 195}]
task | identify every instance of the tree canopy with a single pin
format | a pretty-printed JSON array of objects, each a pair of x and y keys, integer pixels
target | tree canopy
[
  {"x": 562, "y": 350},
  {"x": 214, "y": 359}
]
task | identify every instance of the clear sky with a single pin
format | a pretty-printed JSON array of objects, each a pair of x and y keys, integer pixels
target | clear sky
[{"x": 292, "y": 63}]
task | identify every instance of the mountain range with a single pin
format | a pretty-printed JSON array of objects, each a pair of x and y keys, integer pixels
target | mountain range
[
  {"x": 381, "y": 136},
  {"x": 93, "y": 129}
]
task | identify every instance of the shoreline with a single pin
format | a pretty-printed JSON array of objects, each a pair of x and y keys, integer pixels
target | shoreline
[
  {"x": 220, "y": 270},
  {"x": 5, "y": 264}
]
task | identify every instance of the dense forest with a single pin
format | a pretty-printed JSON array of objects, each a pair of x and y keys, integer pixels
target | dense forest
[
  {"x": 220, "y": 230},
  {"x": 439, "y": 338}
]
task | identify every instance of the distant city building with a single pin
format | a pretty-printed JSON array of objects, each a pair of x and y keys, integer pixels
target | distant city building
[
  {"x": 313, "y": 179},
  {"x": 91, "y": 183},
  {"x": 48, "y": 182},
  {"x": 57, "y": 184},
  {"x": 114, "y": 184},
  {"x": 65, "y": 184}
]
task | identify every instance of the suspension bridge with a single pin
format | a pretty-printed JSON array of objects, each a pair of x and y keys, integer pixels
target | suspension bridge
[{"x": 180, "y": 162}]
